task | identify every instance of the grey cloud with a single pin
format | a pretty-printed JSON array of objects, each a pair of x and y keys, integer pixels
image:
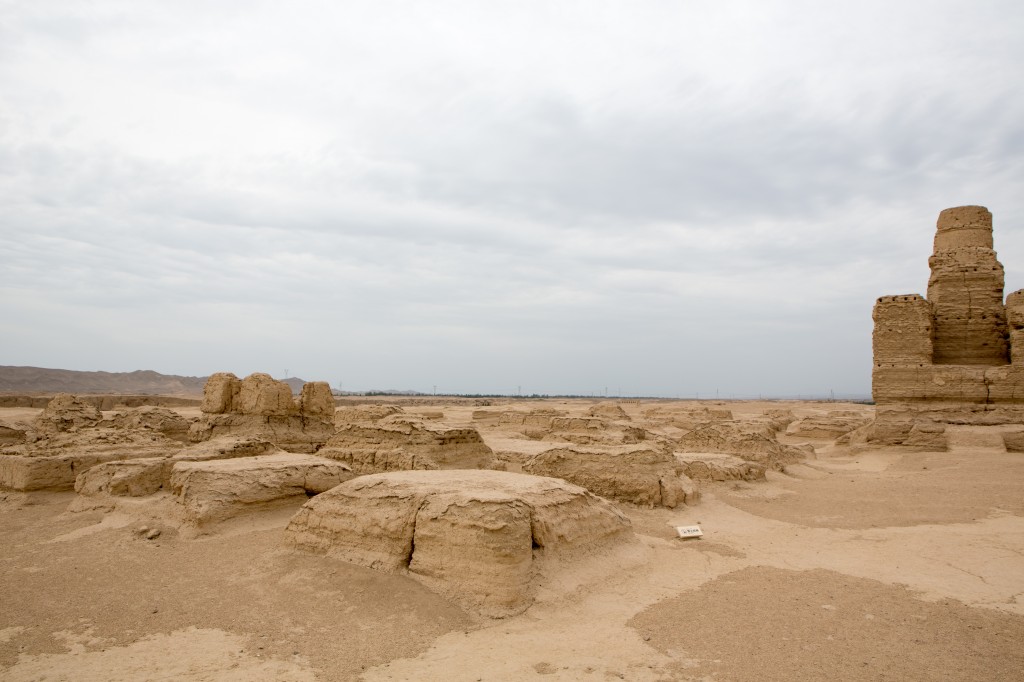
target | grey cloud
[{"x": 409, "y": 197}]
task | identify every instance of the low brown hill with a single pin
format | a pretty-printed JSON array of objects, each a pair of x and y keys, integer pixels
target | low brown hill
[
  {"x": 145, "y": 382},
  {"x": 25, "y": 380}
]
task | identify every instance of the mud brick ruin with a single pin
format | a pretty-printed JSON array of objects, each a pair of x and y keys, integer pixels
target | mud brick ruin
[{"x": 957, "y": 356}]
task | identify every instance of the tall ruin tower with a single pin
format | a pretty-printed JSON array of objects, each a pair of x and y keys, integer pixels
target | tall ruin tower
[
  {"x": 941, "y": 347},
  {"x": 966, "y": 291},
  {"x": 957, "y": 356}
]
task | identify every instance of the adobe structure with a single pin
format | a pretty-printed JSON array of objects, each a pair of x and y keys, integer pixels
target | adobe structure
[{"x": 957, "y": 356}]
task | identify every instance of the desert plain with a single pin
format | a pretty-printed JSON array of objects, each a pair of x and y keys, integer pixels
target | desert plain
[{"x": 849, "y": 561}]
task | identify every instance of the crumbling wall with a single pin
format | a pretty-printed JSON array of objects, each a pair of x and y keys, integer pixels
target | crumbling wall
[
  {"x": 263, "y": 407},
  {"x": 220, "y": 392},
  {"x": 903, "y": 330}
]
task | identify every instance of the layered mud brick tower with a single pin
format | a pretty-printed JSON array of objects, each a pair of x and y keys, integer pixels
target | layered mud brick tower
[{"x": 950, "y": 358}]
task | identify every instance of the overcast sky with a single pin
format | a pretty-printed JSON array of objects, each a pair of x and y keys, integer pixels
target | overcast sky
[{"x": 649, "y": 197}]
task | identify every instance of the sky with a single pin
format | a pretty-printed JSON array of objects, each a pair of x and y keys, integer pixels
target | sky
[{"x": 646, "y": 197}]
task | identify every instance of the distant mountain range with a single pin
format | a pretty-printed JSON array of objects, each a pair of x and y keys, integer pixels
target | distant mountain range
[{"x": 140, "y": 382}]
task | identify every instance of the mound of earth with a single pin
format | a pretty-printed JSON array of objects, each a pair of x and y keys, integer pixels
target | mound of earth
[
  {"x": 644, "y": 476},
  {"x": 481, "y": 538}
]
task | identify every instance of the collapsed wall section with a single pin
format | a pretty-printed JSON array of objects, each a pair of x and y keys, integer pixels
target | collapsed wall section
[{"x": 261, "y": 406}]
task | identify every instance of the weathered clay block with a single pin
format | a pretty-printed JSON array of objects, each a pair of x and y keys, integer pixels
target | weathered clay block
[
  {"x": 403, "y": 442},
  {"x": 707, "y": 466},
  {"x": 12, "y": 433},
  {"x": 294, "y": 433},
  {"x": 220, "y": 392},
  {"x": 55, "y": 462},
  {"x": 316, "y": 400},
  {"x": 125, "y": 478},
  {"x": 261, "y": 394},
  {"x": 643, "y": 476},
  {"x": 140, "y": 477},
  {"x": 218, "y": 490},
  {"x": 481, "y": 538}
]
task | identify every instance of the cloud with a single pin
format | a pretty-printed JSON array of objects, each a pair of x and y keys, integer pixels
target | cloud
[{"x": 670, "y": 196}]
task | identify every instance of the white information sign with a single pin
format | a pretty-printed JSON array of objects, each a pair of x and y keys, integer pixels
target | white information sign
[{"x": 689, "y": 531}]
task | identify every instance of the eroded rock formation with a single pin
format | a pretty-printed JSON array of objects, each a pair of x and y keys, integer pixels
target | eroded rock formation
[
  {"x": 948, "y": 356},
  {"x": 480, "y": 538}
]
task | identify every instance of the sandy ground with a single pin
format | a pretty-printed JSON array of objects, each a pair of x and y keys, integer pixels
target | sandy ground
[{"x": 878, "y": 565}]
